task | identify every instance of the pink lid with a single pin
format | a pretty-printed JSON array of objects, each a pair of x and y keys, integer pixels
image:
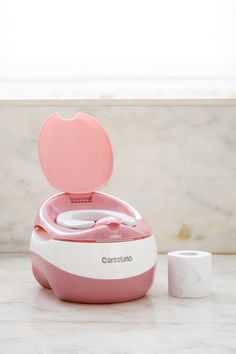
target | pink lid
[{"x": 75, "y": 154}]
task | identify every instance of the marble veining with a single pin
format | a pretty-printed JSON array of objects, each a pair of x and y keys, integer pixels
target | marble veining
[
  {"x": 175, "y": 164},
  {"x": 32, "y": 320}
]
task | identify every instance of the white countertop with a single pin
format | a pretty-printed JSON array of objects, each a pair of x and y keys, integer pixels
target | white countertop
[{"x": 32, "y": 320}]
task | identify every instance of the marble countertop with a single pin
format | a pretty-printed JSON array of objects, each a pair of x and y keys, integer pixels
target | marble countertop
[{"x": 32, "y": 320}]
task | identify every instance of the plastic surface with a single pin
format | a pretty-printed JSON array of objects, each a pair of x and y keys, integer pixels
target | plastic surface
[
  {"x": 110, "y": 260},
  {"x": 80, "y": 219},
  {"x": 102, "y": 232},
  {"x": 70, "y": 287},
  {"x": 75, "y": 154}
]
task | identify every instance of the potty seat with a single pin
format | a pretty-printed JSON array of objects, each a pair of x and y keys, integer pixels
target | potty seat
[{"x": 87, "y": 246}]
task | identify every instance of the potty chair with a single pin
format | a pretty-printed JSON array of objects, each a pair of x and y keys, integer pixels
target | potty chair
[{"x": 87, "y": 246}]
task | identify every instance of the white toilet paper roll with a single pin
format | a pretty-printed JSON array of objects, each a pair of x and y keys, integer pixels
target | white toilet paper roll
[{"x": 189, "y": 273}]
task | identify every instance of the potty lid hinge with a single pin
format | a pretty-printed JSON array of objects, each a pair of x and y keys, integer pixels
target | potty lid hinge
[{"x": 81, "y": 198}]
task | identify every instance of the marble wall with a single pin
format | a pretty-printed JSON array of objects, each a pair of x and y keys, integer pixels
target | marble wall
[{"x": 176, "y": 164}]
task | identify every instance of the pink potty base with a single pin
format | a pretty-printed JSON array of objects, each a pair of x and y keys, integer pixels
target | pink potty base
[{"x": 74, "y": 288}]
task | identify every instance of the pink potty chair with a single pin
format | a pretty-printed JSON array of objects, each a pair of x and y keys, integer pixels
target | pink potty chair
[{"x": 87, "y": 246}]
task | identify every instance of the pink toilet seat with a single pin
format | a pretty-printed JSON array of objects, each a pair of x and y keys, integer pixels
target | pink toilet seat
[{"x": 46, "y": 219}]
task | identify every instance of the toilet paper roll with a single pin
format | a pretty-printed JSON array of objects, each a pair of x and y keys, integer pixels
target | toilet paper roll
[{"x": 189, "y": 273}]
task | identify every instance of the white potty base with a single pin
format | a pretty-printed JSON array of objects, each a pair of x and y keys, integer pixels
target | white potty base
[{"x": 115, "y": 278}]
